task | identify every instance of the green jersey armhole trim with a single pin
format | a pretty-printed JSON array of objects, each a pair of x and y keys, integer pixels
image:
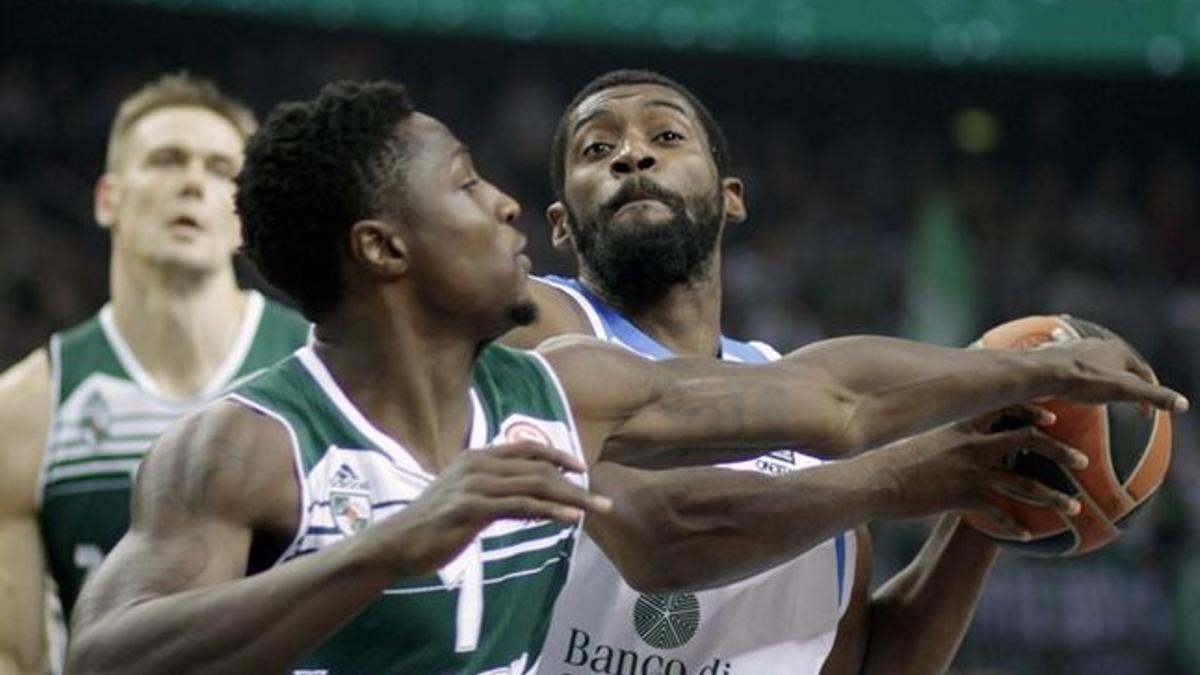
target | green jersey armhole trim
[
  {"x": 548, "y": 370},
  {"x": 297, "y": 466},
  {"x": 54, "y": 355}
]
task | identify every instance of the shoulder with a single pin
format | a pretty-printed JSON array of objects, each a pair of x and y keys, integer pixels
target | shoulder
[
  {"x": 599, "y": 375},
  {"x": 227, "y": 459},
  {"x": 280, "y": 331},
  {"x": 27, "y": 379},
  {"x": 83, "y": 331},
  {"x": 26, "y": 398},
  {"x": 507, "y": 376},
  {"x": 285, "y": 317},
  {"x": 558, "y": 314},
  {"x": 574, "y": 352}
]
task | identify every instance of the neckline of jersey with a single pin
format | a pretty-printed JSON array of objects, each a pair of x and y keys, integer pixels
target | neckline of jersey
[
  {"x": 220, "y": 378},
  {"x": 476, "y": 438}
]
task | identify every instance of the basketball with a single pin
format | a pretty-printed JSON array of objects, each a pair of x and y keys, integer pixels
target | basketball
[{"x": 1128, "y": 455}]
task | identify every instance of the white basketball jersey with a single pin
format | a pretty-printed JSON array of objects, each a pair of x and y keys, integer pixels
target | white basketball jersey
[{"x": 781, "y": 621}]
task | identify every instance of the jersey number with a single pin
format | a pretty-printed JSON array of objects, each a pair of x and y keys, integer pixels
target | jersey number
[
  {"x": 468, "y": 620},
  {"x": 88, "y": 558}
]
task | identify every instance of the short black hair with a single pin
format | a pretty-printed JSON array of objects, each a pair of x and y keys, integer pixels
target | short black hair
[
  {"x": 618, "y": 78},
  {"x": 314, "y": 169}
]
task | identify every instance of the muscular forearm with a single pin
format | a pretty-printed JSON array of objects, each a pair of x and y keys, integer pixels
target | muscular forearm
[
  {"x": 919, "y": 617},
  {"x": 258, "y": 624},
  {"x": 893, "y": 388},
  {"x": 831, "y": 399},
  {"x": 710, "y": 527}
]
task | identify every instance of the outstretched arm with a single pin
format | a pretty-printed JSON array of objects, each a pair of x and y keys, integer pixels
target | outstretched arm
[
  {"x": 832, "y": 398},
  {"x": 172, "y": 596},
  {"x": 24, "y": 416},
  {"x": 710, "y": 527}
]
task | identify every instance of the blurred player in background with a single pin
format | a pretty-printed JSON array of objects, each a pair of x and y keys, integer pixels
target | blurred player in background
[
  {"x": 79, "y": 414},
  {"x": 641, "y": 170},
  {"x": 342, "y": 510}
]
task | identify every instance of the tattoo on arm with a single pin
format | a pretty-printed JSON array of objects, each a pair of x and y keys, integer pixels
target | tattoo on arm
[{"x": 189, "y": 481}]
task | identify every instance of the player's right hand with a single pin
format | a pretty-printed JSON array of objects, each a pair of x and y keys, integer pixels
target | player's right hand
[
  {"x": 522, "y": 480},
  {"x": 1092, "y": 370}
]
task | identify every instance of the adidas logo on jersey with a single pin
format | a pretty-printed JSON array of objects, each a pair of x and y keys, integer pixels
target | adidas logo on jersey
[
  {"x": 349, "y": 501},
  {"x": 777, "y": 463},
  {"x": 346, "y": 479}
]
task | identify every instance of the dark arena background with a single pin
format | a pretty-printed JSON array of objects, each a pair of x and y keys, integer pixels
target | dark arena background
[{"x": 926, "y": 168}]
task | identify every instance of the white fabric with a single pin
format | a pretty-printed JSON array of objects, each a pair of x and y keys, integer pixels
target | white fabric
[{"x": 781, "y": 621}]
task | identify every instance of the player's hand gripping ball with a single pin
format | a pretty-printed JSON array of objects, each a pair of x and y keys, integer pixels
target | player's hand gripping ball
[{"x": 1128, "y": 455}]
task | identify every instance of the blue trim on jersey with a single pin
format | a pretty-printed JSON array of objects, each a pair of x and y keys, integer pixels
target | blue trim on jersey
[
  {"x": 839, "y": 546},
  {"x": 624, "y": 330}
]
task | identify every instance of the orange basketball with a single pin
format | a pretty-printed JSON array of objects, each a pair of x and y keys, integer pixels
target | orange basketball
[{"x": 1128, "y": 456}]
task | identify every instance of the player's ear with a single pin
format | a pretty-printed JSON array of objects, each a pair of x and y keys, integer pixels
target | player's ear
[
  {"x": 560, "y": 227},
  {"x": 735, "y": 205},
  {"x": 104, "y": 205},
  {"x": 379, "y": 247}
]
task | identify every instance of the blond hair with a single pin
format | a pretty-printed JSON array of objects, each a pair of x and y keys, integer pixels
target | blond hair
[{"x": 169, "y": 91}]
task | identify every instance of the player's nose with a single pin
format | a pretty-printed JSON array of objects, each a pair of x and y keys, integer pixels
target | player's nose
[
  {"x": 633, "y": 157},
  {"x": 507, "y": 209}
]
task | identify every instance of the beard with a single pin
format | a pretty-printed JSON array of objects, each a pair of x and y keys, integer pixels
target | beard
[
  {"x": 635, "y": 263},
  {"x": 522, "y": 313}
]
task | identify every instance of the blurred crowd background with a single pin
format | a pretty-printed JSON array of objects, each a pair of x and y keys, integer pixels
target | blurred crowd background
[{"x": 929, "y": 198}]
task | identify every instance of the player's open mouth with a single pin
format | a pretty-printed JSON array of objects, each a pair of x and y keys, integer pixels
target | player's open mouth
[{"x": 185, "y": 222}]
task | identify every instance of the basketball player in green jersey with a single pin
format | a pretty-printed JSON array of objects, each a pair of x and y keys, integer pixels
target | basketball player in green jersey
[
  {"x": 388, "y": 500},
  {"x": 79, "y": 414}
]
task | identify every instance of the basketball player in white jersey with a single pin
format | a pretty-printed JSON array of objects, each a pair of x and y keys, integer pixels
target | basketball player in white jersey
[
  {"x": 78, "y": 414},
  {"x": 640, "y": 168},
  {"x": 342, "y": 513}
]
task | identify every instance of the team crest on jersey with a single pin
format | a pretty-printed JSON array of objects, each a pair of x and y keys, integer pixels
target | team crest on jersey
[
  {"x": 95, "y": 419},
  {"x": 349, "y": 501},
  {"x": 517, "y": 428},
  {"x": 526, "y": 431}
]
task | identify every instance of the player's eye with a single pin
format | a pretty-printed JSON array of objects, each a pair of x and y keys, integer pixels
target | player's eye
[
  {"x": 166, "y": 157},
  {"x": 222, "y": 168},
  {"x": 670, "y": 136},
  {"x": 470, "y": 184},
  {"x": 596, "y": 149}
]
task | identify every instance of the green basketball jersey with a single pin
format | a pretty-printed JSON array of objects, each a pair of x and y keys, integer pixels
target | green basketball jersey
[
  {"x": 107, "y": 413},
  {"x": 487, "y": 611}
]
